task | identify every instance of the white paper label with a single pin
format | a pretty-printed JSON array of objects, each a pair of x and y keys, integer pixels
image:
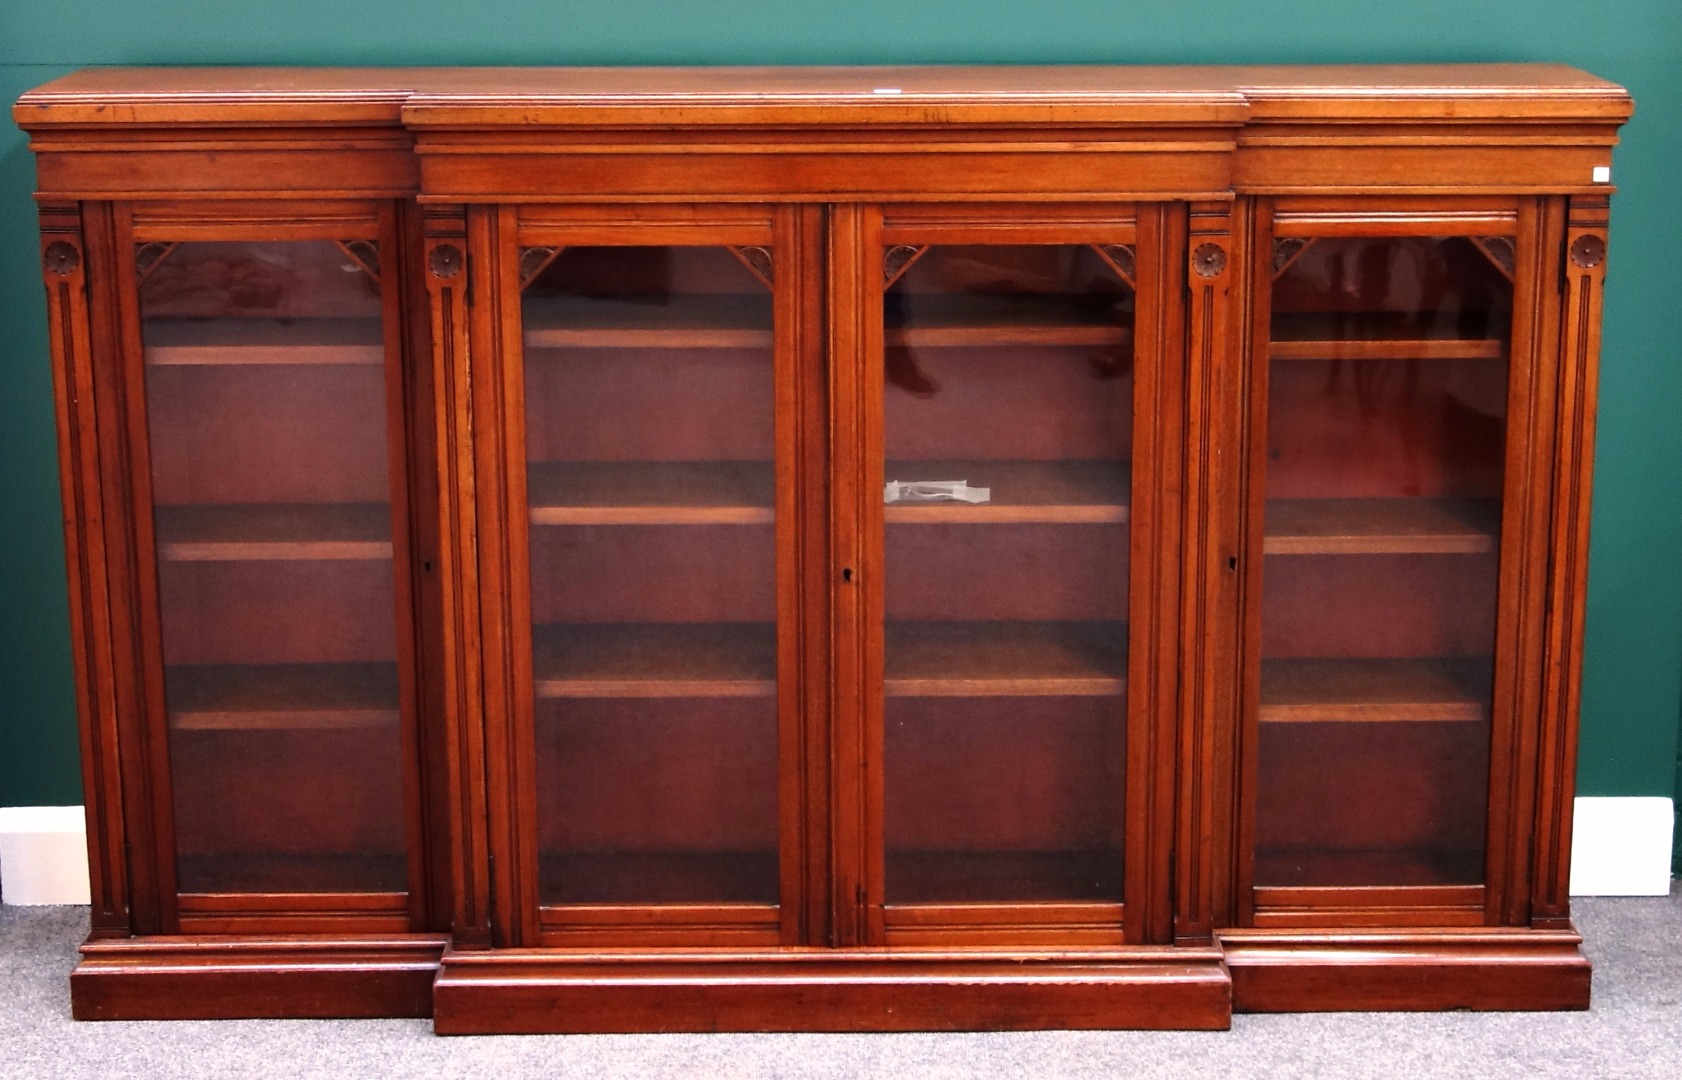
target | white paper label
[{"x": 909, "y": 491}]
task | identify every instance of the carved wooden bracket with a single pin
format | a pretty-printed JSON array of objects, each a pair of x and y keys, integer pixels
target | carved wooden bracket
[
  {"x": 61, "y": 258},
  {"x": 148, "y": 257},
  {"x": 1499, "y": 251},
  {"x": 535, "y": 260},
  {"x": 1119, "y": 258},
  {"x": 897, "y": 260},
  {"x": 1208, "y": 260},
  {"x": 759, "y": 263},
  {"x": 445, "y": 261},
  {"x": 1288, "y": 251},
  {"x": 365, "y": 254}
]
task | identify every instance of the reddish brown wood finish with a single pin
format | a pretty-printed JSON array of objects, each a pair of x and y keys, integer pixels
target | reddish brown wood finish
[
  {"x": 1181, "y": 180},
  {"x": 1424, "y": 969},
  {"x": 256, "y": 976},
  {"x": 1578, "y": 319},
  {"x": 512, "y": 992}
]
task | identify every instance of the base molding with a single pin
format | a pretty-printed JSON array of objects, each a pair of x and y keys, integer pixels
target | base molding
[
  {"x": 230, "y": 978},
  {"x": 533, "y": 991},
  {"x": 539, "y": 992},
  {"x": 1486, "y": 969}
]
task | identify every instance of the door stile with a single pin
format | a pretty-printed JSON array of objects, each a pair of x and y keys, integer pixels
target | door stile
[
  {"x": 425, "y": 585},
  {"x": 406, "y": 582},
  {"x": 1154, "y": 583},
  {"x": 498, "y": 407},
  {"x": 1251, "y": 410},
  {"x": 804, "y": 576},
  {"x": 1523, "y": 603},
  {"x": 854, "y": 335},
  {"x": 124, "y": 386}
]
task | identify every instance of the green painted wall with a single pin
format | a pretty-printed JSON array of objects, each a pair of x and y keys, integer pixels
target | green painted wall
[{"x": 1633, "y": 691}]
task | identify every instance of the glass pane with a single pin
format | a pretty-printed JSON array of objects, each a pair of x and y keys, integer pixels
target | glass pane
[
  {"x": 649, "y": 439},
  {"x": 1387, "y": 392},
  {"x": 266, "y": 406},
  {"x": 1007, "y": 428}
]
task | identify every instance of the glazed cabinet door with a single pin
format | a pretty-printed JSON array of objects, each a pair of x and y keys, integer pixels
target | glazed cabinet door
[
  {"x": 1010, "y": 362},
  {"x": 652, "y": 419},
  {"x": 270, "y": 414},
  {"x": 1399, "y": 460}
]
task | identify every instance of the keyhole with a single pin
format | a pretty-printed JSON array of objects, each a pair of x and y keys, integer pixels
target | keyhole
[
  {"x": 1232, "y": 562},
  {"x": 847, "y": 574}
]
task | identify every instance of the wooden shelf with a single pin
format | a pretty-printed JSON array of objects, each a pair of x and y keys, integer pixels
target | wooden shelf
[
  {"x": 650, "y": 492},
  {"x": 1371, "y": 337},
  {"x": 721, "y": 321},
  {"x": 206, "y": 342},
  {"x": 654, "y": 660},
  {"x": 273, "y": 531},
  {"x": 743, "y": 322},
  {"x": 1305, "y": 691},
  {"x": 248, "y": 697},
  {"x": 1005, "y": 659},
  {"x": 718, "y": 877},
  {"x": 741, "y": 492},
  {"x": 1381, "y": 526},
  {"x": 1022, "y": 492},
  {"x": 375, "y": 872},
  {"x": 924, "y": 877},
  {"x": 938, "y": 321},
  {"x": 1303, "y": 867},
  {"x": 924, "y": 659}
]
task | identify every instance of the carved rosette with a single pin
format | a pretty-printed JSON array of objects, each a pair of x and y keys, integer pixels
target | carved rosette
[
  {"x": 445, "y": 261},
  {"x": 61, "y": 258},
  {"x": 1208, "y": 260},
  {"x": 1588, "y": 251}
]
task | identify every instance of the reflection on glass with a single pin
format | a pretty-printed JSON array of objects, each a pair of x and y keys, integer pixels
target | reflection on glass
[
  {"x": 266, "y": 406},
  {"x": 1007, "y": 427},
  {"x": 649, "y": 439},
  {"x": 1386, "y": 425}
]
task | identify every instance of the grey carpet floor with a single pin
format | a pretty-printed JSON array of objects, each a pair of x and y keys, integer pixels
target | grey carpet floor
[{"x": 1633, "y": 1030}]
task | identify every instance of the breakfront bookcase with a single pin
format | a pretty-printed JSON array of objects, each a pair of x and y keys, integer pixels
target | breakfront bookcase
[{"x": 593, "y": 550}]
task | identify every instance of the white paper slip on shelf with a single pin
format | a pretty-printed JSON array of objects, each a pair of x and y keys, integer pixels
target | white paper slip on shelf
[{"x": 909, "y": 491}]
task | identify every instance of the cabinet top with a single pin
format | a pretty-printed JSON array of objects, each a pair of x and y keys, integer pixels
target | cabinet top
[{"x": 527, "y": 97}]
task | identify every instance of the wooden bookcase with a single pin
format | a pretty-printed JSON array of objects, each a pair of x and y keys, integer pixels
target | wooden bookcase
[{"x": 840, "y": 549}]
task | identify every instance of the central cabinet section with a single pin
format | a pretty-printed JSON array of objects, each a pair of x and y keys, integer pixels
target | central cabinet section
[{"x": 734, "y": 440}]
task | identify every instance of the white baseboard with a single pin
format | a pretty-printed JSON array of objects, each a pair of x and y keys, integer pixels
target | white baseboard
[
  {"x": 43, "y": 855},
  {"x": 1620, "y": 846}
]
